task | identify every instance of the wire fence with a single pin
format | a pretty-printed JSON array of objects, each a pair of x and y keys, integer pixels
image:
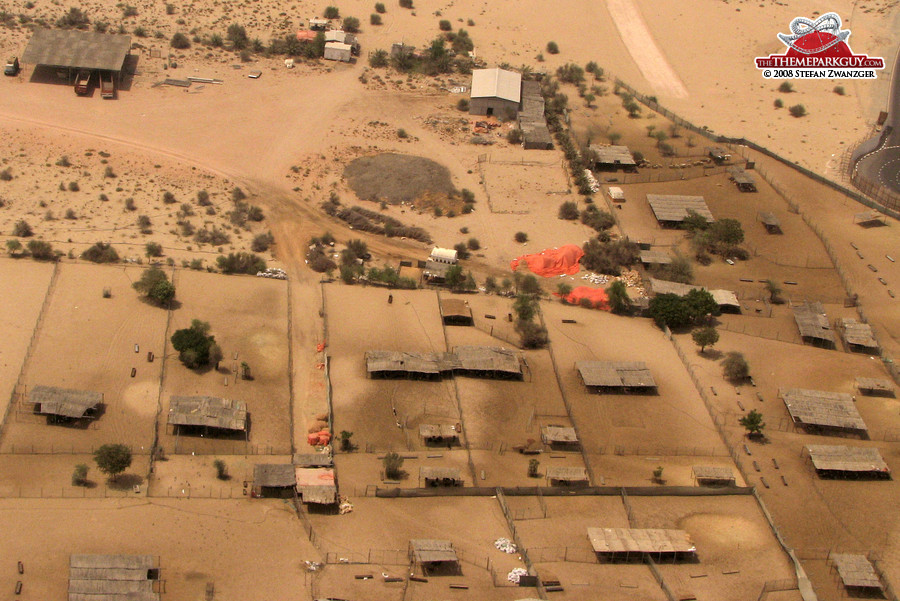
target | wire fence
[
  {"x": 774, "y": 586},
  {"x": 562, "y": 554},
  {"x": 67, "y": 492}
]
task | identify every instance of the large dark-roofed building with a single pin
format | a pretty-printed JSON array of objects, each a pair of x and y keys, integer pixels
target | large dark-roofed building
[{"x": 68, "y": 49}]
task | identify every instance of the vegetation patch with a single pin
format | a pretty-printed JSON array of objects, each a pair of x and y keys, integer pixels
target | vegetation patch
[{"x": 376, "y": 223}]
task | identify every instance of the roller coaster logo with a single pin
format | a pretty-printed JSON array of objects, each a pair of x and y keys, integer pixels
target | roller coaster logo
[{"x": 818, "y": 50}]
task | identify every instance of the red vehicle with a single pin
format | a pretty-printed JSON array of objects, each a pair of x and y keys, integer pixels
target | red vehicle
[{"x": 82, "y": 82}]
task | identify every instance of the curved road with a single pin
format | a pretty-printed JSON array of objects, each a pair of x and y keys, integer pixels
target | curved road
[{"x": 882, "y": 165}]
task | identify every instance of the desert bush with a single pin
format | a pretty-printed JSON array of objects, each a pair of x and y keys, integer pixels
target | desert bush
[
  {"x": 101, "y": 252},
  {"x": 42, "y": 251},
  {"x": 514, "y": 136},
  {"x": 552, "y": 48},
  {"x": 374, "y": 19},
  {"x": 609, "y": 257},
  {"x": 392, "y": 462},
  {"x": 153, "y": 249},
  {"x": 463, "y": 105},
  {"x": 778, "y": 103},
  {"x": 473, "y": 244},
  {"x": 74, "y": 18},
  {"x": 445, "y": 25},
  {"x": 570, "y": 73},
  {"x": 679, "y": 270},
  {"x": 22, "y": 229},
  {"x": 379, "y": 59},
  {"x": 180, "y": 41},
  {"x": 155, "y": 285},
  {"x": 6, "y": 175},
  {"x": 79, "y": 475},
  {"x": 520, "y": 237},
  {"x": 237, "y": 35},
  {"x": 786, "y": 87},
  {"x": 798, "y": 110},
  {"x": 73, "y": 187},
  {"x": 215, "y": 236},
  {"x": 406, "y": 3},
  {"x": 568, "y": 210},
  {"x": 735, "y": 367},
  {"x": 379, "y": 8},
  {"x": 532, "y": 335},
  {"x": 168, "y": 198},
  {"x": 351, "y": 24},
  {"x": 144, "y": 223},
  {"x": 597, "y": 219},
  {"x": 194, "y": 344},
  {"x": 839, "y": 90},
  {"x": 242, "y": 262},
  {"x": 332, "y": 12},
  {"x": 63, "y": 161},
  {"x": 261, "y": 242}
]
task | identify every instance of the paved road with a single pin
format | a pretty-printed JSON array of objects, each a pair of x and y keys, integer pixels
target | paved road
[{"x": 883, "y": 164}]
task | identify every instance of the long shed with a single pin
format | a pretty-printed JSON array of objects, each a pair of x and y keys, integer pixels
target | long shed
[
  {"x": 634, "y": 544},
  {"x": 187, "y": 413},
  {"x": 672, "y": 209},
  {"x": 74, "y": 50},
  {"x": 64, "y": 404},
  {"x": 813, "y": 324},
  {"x": 616, "y": 376},
  {"x": 842, "y": 461},
  {"x": 113, "y": 578},
  {"x": 823, "y": 411}
]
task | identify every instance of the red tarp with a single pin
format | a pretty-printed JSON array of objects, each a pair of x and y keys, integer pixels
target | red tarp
[
  {"x": 596, "y": 296},
  {"x": 553, "y": 261}
]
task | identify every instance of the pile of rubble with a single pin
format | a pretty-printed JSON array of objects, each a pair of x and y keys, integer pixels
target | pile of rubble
[
  {"x": 505, "y": 545},
  {"x": 516, "y": 574},
  {"x": 592, "y": 181},
  {"x": 272, "y": 272},
  {"x": 345, "y": 506},
  {"x": 631, "y": 279}
]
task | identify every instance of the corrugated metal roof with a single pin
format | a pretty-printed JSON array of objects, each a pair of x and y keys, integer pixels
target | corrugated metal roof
[
  {"x": 111, "y": 578},
  {"x": 615, "y": 374},
  {"x": 856, "y": 571},
  {"x": 675, "y": 207},
  {"x": 877, "y": 384},
  {"x": 64, "y": 401},
  {"x": 612, "y": 154},
  {"x": 438, "y": 431},
  {"x": 213, "y": 412},
  {"x": 822, "y": 408},
  {"x": 455, "y": 307},
  {"x": 432, "y": 551},
  {"x": 496, "y": 83},
  {"x": 812, "y": 321},
  {"x": 844, "y": 458},
  {"x": 858, "y": 333},
  {"x": 635, "y": 540},
  {"x": 660, "y": 257},
  {"x": 488, "y": 358},
  {"x": 77, "y": 49},
  {"x": 275, "y": 475}
]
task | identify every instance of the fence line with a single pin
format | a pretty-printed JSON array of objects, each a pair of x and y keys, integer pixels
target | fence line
[
  {"x": 155, "y": 447},
  {"x": 659, "y": 578},
  {"x": 29, "y": 350},
  {"x": 501, "y": 500},
  {"x": 772, "y": 586},
  {"x": 562, "y": 555}
]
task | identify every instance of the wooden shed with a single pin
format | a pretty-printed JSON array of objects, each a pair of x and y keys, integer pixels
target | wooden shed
[
  {"x": 635, "y": 544},
  {"x": 433, "y": 557},
  {"x": 64, "y": 405},
  {"x": 114, "y": 578}
]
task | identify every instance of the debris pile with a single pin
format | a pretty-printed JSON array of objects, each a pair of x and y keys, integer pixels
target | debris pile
[
  {"x": 516, "y": 574},
  {"x": 592, "y": 181},
  {"x": 313, "y": 566},
  {"x": 505, "y": 545},
  {"x": 344, "y": 506},
  {"x": 272, "y": 272}
]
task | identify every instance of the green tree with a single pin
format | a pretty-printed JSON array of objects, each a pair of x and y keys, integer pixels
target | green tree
[
  {"x": 700, "y": 303},
  {"x": 393, "y": 466},
  {"x": 798, "y": 110},
  {"x": 726, "y": 232},
  {"x": 79, "y": 475},
  {"x": 346, "y": 442},
  {"x": 13, "y": 247},
  {"x": 528, "y": 284},
  {"x": 237, "y": 35},
  {"x": 221, "y": 469},
  {"x": 153, "y": 249},
  {"x": 113, "y": 459},
  {"x": 332, "y": 12},
  {"x": 669, "y": 310},
  {"x": 242, "y": 262},
  {"x": 568, "y": 210},
  {"x": 379, "y": 59},
  {"x": 155, "y": 285},
  {"x": 704, "y": 337},
  {"x": 101, "y": 252},
  {"x": 619, "y": 301},
  {"x": 753, "y": 422},
  {"x": 193, "y": 344},
  {"x": 41, "y": 251},
  {"x": 454, "y": 276},
  {"x": 525, "y": 307},
  {"x": 180, "y": 41},
  {"x": 552, "y": 48},
  {"x": 563, "y": 290},
  {"x": 532, "y": 335},
  {"x": 351, "y": 24},
  {"x": 735, "y": 368}
]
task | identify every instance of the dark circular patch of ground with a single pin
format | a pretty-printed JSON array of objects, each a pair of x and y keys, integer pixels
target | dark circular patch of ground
[{"x": 396, "y": 178}]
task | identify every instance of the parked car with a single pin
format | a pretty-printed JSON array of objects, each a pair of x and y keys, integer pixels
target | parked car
[{"x": 12, "y": 66}]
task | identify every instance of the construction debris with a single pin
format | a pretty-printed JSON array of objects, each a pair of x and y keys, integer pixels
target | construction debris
[
  {"x": 313, "y": 566},
  {"x": 345, "y": 506},
  {"x": 516, "y": 574},
  {"x": 272, "y": 272},
  {"x": 592, "y": 181}
]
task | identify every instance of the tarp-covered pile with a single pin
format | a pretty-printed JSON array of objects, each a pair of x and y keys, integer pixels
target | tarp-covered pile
[
  {"x": 552, "y": 261},
  {"x": 581, "y": 295}
]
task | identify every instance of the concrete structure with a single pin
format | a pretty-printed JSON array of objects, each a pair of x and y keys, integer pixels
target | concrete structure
[
  {"x": 616, "y": 376},
  {"x": 609, "y": 157},
  {"x": 820, "y": 411},
  {"x": 113, "y": 578},
  {"x": 841, "y": 461},
  {"x": 532, "y": 122},
  {"x": 671, "y": 209},
  {"x": 63, "y": 404},
  {"x": 335, "y": 51},
  {"x": 633, "y": 544},
  {"x": 495, "y": 92},
  {"x": 858, "y": 575},
  {"x": 74, "y": 50},
  {"x": 813, "y": 324}
]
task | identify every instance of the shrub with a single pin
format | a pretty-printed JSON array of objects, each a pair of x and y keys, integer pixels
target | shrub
[
  {"x": 473, "y": 244},
  {"x": 73, "y": 187},
  {"x": 839, "y": 90},
  {"x": 70, "y": 214},
  {"x": 679, "y": 270},
  {"x": 6, "y": 175},
  {"x": 63, "y": 161},
  {"x": 74, "y": 18},
  {"x": 393, "y": 463},
  {"x": 798, "y": 110},
  {"x": 180, "y": 41},
  {"x": 532, "y": 335},
  {"x": 521, "y": 237},
  {"x": 406, "y": 3},
  {"x": 445, "y": 25},
  {"x": 533, "y": 466},
  {"x": 203, "y": 198},
  {"x": 101, "y": 252},
  {"x": 463, "y": 105},
  {"x": 221, "y": 470},
  {"x": 735, "y": 368},
  {"x": 568, "y": 210},
  {"x": 168, "y": 198},
  {"x": 154, "y": 285},
  {"x": 570, "y": 73},
  {"x": 786, "y": 87},
  {"x": 141, "y": 32},
  {"x": 144, "y": 223},
  {"x": 462, "y": 252},
  {"x": 237, "y": 35},
  {"x": 514, "y": 136},
  {"x": 619, "y": 301},
  {"x": 778, "y": 103},
  {"x": 237, "y": 195},
  {"x": 153, "y": 249},
  {"x": 332, "y": 12},
  {"x": 379, "y": 59},
  {"x": 129, "y": 204},
  {"x": 215, "y": 236},
  {"x": 22, "y": 230},
  {"x": 216, "y": 41},
  {"x": 242, "y": 262},
  {"x": 261, "y": 242},
  {"x": 42, "y": 251},
  {"x": 129, "y": 11},
  {"x": 401, "y": 133},
  {"x": 597, "y": 219},
  {"x": 79, "y": 475},
  {"x": 379, "y": 8},
  {"x": 351, "y": 24},
  {"x": 374, "y": 19},
  {"x": 552, "y": 48}
]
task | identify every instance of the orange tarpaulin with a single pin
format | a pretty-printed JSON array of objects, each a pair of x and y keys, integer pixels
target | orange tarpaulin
[
  {"x": 552, "y": 261},
  {"x": 596, "y": 296}
]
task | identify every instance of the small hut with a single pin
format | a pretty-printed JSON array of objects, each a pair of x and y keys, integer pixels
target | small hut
[
  {"x": 560, "y": 438},
  {"x": 858, "y": 336},
  {"x": 567, "y": 476},
  {"x": 63, "y": 405},
  {"x": 875, "y": 386},
  {"x": 743, "y": 180},
  {"x": 456, "y": 312},
  {"x": 671, "y": 209},
  {"x": 316, "y": 485},
  {"x": 813, "y": 325},
  {"x": 439, "y": 435},
  {"x": 433, "y": 557},
  {"x": 612, "y": 158},
  {"x": 770, "y": 222},
  {"x": 713, "y": 475},
  {"x": 274, "y": 480}
]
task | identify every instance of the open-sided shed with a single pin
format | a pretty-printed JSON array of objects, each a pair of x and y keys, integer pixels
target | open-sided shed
[
  {"x": 64, "y": 404},
  {"x": 820, "y": 410},
  {"x": 857, "y": 574},
  {"x": 562, "y": 475},
  {"x": 616, "y": 376},
  {"x": 560, "y": 437},
  {"x": 869, "y": 218},
  {"x": 713, "y": 475},
  {"x": 655, "y": 257},
  {"x": 113, "y": 578},
  {"x": 858, "y": 336},
  {"x": 634, "y": 544},
  {"x": 813, "y": 324},
  {"x": 488, "y": 362},
  {"x": 316, "y": 485},
  {"x": 672, "y": 209},
  {"x": 743, "y": 180},
  {"x": 400, "y": 364},
  {"x": 440, "y": 476},
  {"x": 612, "y": 158},
  {"x": 313, "y": 460},
  {"x": 456, "y": 312},
  {"x": 74, "y": 50},
  {"x": 841, "y": 461},
  {"x": 770, "y": 222},
  {"x": 875, "y": 386},
  {"x": 439, "y": 434},
  {"x": 207, "y": 414},
  {"x": 274, "y": 480},
  {"x": 433, "y": 556}
]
